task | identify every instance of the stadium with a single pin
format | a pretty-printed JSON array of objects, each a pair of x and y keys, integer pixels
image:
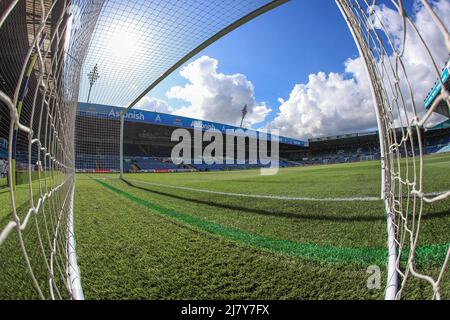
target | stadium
[
  {"x": 98, "y": 201},
  {"x": 147, "y": 143}
]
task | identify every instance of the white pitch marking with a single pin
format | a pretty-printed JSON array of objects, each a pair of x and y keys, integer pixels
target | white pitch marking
[{"x": 258, "y": 196}]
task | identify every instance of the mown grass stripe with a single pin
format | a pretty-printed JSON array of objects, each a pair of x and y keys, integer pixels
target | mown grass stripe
[{"x": 432, "y": 254}]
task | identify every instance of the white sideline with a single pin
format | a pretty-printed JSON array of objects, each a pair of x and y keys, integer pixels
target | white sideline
[{"x": 259, "y": 196}]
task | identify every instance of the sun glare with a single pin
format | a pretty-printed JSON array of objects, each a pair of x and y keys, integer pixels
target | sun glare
[{"x": 122, "y": 44}]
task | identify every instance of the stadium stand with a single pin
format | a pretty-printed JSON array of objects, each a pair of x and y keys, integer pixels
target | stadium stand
[
  {"x": 148, "y": 145},
  {"x": 147, "y": 142},
  {"x": 345, "y": 148},
  {"x": 150, "y": 163},
  {"x": 3, "y": 148},
  {"x": 437, "y": 138}
]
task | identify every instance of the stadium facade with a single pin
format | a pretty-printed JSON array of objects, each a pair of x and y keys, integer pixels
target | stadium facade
[
  {"x": 147, "y": 141},
  {"x": 148, "y": 145}
]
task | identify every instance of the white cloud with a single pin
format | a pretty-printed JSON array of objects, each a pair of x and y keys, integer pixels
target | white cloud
[
  {"x": 216, "y": 96},
  {"x": 333, "y": 103},
  {"x": 327, "y": 104},
  {"x": 153, "y": 104}
]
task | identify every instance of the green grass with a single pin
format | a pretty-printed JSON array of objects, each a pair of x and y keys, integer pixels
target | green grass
[
  {"x": 140, "y": 254},
  {"x": 136, "y": 240},
  {"x": 15, "y": 281}
]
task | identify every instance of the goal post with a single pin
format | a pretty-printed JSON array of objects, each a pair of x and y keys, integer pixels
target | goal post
[
  {"x": 358, "y": 37},
  {"x": 399, "y": 122},
  {"x": 122, "y": 128},
  {"x": 269, "y": 5},
  {"x": 47, "y": 53},
  {"x": 43, "y": 46},
  {"x": 48, "y": 49},
  {"x": 396, "y": 108}
]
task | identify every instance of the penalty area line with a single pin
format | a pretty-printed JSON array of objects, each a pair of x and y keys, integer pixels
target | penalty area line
[{"x": 259, "y": 196}]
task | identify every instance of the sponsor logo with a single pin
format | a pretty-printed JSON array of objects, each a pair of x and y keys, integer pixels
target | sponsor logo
[
  {"x": 200, "y": 125},
  {"x": 134, "y": 115}
]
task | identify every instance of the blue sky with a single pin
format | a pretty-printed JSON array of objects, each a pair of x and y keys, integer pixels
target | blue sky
[
  {"x": 296, "y": 67},
  {"x": 278, "y": 50}
]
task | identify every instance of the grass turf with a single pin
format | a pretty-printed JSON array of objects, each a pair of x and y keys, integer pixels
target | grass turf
[
  {"x": 136, "y": 240},
  {"x": 162, "y": 242},
  {"x": 15, "y": 280}
]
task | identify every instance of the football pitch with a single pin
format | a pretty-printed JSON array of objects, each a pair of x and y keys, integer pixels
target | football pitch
[
  {"x": 305, "y": 233},
  {"x": 201, "y": 236}
]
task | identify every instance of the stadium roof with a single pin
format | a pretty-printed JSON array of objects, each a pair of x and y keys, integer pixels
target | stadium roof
[
  {"x": 157, "y": 118},
  {"x": 442, "y": 125},
  {"x": 442, "y": 108},
  {"x": 137, "y": 43},
  {"x": 344, "y": 136}
]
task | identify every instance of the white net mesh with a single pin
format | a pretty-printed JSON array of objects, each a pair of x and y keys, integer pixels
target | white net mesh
[
  {"x": 97, "y": 141},
  {"x": 43, "y": 62},
  {"x": 386, "y": 50},
  {"x": 46, "y": 57},
  {"x": 135, "y": 45},
  {"x": 43, "y": 47},
  {"x": 157, "y": 35}
]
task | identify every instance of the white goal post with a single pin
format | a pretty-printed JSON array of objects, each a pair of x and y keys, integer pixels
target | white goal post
[
  {"x": 47, "y": 50},
  {"x": 43, "y": 45},
  {"x": 396, "y": 109}
]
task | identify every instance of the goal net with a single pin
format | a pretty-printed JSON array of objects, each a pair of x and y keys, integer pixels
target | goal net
[
  {"x": 389, "y": 47},
  {"x": 57, "y": 55},
  {"x": 48, "y": 53},
  {"x": 43, "y": 46}
]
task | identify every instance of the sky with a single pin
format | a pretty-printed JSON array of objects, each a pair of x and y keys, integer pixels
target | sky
[
  {"x": 279, "y": 49},
  {"x": 298, "y": 70}
]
